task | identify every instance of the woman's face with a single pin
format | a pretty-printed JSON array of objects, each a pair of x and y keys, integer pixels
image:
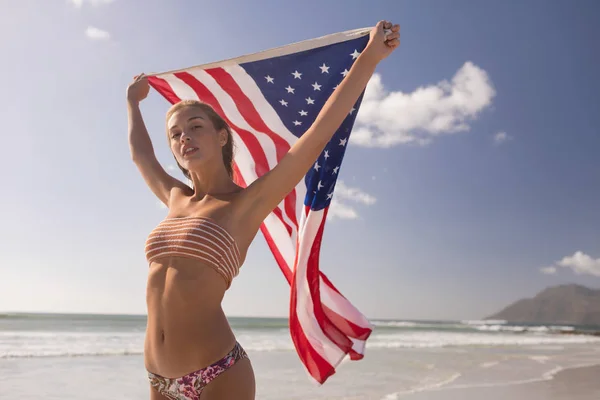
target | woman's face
[{"x": 193, "y": 138}]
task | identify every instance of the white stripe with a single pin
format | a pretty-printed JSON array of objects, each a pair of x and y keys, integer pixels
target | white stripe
[
  {"x": 233, "y": 114},
  {"x": 334, "y": 301},
  {"x": 358, "y": 345},
  {"x": 304, "y": 305},
  {"x": 263, "y": 107},
  {"x": 280, "y": 236},
  {"x": 180, "y": 88},
  {"x": 342, "y": 306},
  {"x": 283, "y": 50},
  {"x": 245, "y": 163}
]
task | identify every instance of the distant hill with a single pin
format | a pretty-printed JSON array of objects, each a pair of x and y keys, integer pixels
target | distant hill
[{"x": 564, "y": 304}]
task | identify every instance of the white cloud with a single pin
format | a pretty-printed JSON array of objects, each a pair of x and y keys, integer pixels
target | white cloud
[
  {"x": 344, "y": 194},
  {"x": 171, "y": 167},
  {"x": 96, "y": 34},
  {"x": 501, "y": 137},
  {"x": 581, "y": 264},
  {"x": 548, "y": 270},
  {"x": 93, "y": 3},
  {"x": 387, "y": 118}
]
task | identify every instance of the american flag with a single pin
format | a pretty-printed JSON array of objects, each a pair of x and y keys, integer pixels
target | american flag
[{"x": 269, "y": 99}]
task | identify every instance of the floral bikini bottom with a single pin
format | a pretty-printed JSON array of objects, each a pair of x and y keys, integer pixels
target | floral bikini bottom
[{"x": 190, "y": 386}]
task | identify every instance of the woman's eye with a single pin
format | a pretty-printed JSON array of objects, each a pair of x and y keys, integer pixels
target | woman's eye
[{"x": 197, "y": 127}]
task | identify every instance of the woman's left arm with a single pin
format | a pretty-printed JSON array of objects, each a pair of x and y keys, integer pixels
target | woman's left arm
[{"x": 265, "y": 193}]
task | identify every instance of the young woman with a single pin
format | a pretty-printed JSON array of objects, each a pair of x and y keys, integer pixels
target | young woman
[{"x": 196, "y": 251}]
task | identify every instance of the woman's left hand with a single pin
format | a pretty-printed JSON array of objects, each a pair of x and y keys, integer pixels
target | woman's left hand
[{"x": 380, "y": 46}]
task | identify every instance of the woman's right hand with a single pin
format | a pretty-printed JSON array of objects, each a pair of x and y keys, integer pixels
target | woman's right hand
[{"x": 138, "y": 89}]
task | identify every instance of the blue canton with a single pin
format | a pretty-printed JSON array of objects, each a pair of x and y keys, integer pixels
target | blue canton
[{"x": 297, "y": 86}]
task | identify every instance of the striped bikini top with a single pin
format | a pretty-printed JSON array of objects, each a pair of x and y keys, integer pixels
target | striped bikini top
[{"x": 198, "y": 238}]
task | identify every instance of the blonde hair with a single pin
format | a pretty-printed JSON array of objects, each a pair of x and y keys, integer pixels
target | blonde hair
[{"x": 218, "y": 122}]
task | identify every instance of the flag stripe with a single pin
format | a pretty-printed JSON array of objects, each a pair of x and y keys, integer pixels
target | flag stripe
[
  {"x": 340, "y": 305},
  {"x": 318, "y": 367},
  {"x": 312, "y": 273},
  {"x": 305, "y": 306},
  {"x": 253, "y": 118},
  {"x": 251, "y": 140}
]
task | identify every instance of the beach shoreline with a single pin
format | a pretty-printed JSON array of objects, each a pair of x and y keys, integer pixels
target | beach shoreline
[{"x": 412, "y": 360}]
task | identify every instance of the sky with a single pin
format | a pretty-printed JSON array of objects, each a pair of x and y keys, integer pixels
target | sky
[{"x": 472, "y": 177}]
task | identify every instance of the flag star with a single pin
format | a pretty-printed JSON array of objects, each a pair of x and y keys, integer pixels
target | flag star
[
  {"x": 355, "y": 54},
  {"x": 290, "y": 89},
  {"x": 336, "y": 86},
  {"x": 345, "y": 72},
  {"x": 335, "y": 170},
  {"x": 297, "y": 75},
  {"x": 316, "y": 86},
  {"x": 303, "y": 113},
  {"x": 283, "y": 102},
  {"x": 269, "y": 79},
  {"x": 297, "y": 123},
  {"x": 317, "y": 166},
  {"x": 324, "y": 69},
  {"x": 319, "y": 186},
  {"x": 343, "y": 141},
  {"x": 326, "y": 154},
  {"x": 310, "y": 101},
  {"x": 329, "y": 196},
  {"x": 351, "y": 111}
]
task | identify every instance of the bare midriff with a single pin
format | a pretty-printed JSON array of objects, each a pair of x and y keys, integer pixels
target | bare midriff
[{"x": 187, "y": 329}]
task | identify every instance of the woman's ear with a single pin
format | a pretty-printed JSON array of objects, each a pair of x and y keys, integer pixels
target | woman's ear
[{"x": 223, "y": 137}]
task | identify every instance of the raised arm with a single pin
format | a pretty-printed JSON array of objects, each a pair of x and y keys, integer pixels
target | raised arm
[
  {"x": 140, "y": 145},
  {"x": 263, "y": 195}
]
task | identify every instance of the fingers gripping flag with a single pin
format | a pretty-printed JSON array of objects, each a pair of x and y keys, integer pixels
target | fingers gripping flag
[{"x": 269, "y": 100}]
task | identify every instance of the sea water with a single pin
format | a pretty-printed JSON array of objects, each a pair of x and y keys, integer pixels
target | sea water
[{"x": 88, "y": 357}]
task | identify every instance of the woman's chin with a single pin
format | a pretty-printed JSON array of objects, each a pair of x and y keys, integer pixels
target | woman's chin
[{"x": 193, "y": 164}]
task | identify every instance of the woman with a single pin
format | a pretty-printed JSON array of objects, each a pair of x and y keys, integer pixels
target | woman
[{"x": 190, "y": 349}]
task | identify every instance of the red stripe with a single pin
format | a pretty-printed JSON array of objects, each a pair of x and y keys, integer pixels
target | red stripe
[
  {"x": 348, "y": 327},
  {"x": 247, "y": 109},
  {"x": 163, "y": 87},
  {"x": 312, "y": 275},
  {"x": 260, "y": 159},
  {"x": 354, "y": 356},
  {"x": 254, "y": 119},
  {"x": 316, "y": 365},
  {"x": 261, "y": 165}
]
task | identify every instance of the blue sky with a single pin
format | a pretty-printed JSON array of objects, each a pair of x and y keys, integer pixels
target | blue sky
[{"x": 476, "y": 185}]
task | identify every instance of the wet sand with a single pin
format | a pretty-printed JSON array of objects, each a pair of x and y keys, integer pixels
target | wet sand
[{"x": 572, "y": 384}]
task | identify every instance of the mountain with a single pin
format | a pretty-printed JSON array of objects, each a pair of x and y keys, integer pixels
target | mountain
[{"x": 565, "y": 304}]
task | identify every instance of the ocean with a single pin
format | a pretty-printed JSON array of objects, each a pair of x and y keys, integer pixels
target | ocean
[{"x": 84, "y": 357}]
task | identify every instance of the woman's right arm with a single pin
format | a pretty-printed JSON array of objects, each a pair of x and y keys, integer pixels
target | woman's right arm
[{"x": 140, "y": 145}]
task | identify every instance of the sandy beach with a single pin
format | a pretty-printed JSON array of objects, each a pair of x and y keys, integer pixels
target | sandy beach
[{"x": 571, "y": 384}]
